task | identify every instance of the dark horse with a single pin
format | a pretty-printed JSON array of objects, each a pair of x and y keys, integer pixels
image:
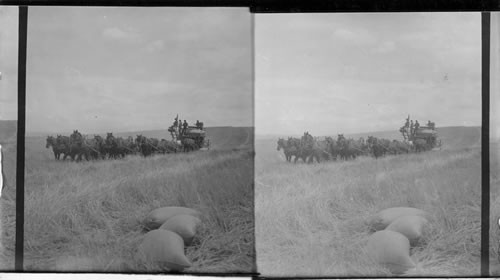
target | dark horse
[
  {"x": 57, "y": 149},
  {"x": 99, "y": 146},
  {"x": 313, "y": 149},
  {"x": 78, "y": 148},
  {"x": 63, "y": 143},
  {"x": 145, "y": 147},
  {"x": 166, "y": 146},
  {"x": 420, "y": 145},
  {"x": 188, "y": 145},
  {"x": 295, "y": 149},
  {"x": 282, "y": 144},
  {"x": 376, "y": 147},
  {"x": 348, "y": 148}
]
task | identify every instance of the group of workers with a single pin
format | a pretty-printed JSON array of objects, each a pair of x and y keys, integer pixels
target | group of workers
[
  {"x": 183, "y": 126},
  {"x": 413, "y": 127}
]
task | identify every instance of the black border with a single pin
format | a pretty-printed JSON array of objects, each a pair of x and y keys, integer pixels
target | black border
[
  {"x": 357, "y": 6},
  {"x": 134, "y": 3},
  {"x": 21, "y": 120},
  {"x": 266, "y": 6},
  {"x": 485, "y": 144}
]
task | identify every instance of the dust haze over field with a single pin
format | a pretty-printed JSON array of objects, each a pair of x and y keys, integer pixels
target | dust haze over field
[
  {"x": 88, "y": 216},
  {"x": 310, "y": 218}
]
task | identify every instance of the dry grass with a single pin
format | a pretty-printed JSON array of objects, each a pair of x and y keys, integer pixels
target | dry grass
[
  {"x": 494, "y": 208},
  {"x": 310, "y": 218},
  {"x": 8, "y": 206},
  {"x": 88, "y": 216}
]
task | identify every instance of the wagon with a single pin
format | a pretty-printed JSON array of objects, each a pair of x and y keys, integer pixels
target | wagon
[
  {"x": 426, "y": 133},
  {"x": 197, "y": 134}
]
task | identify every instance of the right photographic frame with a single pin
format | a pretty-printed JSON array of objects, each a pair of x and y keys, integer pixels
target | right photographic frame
[{"x": 368, "y": 144}]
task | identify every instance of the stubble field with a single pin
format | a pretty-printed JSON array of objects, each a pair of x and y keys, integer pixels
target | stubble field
[
  {"x": 310, "y": 218},
  {"x": 8, "y": 138},
  {"x": 494, "y": 208},
  {"x": 88, "y": 216}
]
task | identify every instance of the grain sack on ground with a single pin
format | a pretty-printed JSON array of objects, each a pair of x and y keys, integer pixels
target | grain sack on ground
[
  {"x": 164, "y": 248},
  {"x": 385, "y": 217},
  {"x": 410, "y": 226},
  {"x": 391, "y": 250},
  {"x": 159, "y": 216},
  {"x": 183, "y": 225}
]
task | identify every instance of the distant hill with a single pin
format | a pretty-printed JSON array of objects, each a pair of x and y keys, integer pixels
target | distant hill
[
  {"x": 453, "y": 137},
  {"x": 222, "y": 137},
  {"x": 225, "y": 137},
  {"x": 8, "y": 131},
  {"x": 230, "y": 137}
]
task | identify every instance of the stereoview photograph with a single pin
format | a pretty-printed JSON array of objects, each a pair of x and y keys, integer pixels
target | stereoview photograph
[
  {"x": 9, "y": 20},
  {"x": 368, "y": 144},
  {"x": 139, "y": 140}
]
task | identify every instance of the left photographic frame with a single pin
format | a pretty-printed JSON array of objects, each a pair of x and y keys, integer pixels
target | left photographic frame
[
  {"x": 139, "y": 140},
  {"x": 9, "y": 20}
]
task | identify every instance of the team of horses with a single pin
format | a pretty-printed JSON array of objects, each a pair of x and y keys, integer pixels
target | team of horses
[
  {"x": 79, "y": 147},
  {"x": 309, "y": 148}
]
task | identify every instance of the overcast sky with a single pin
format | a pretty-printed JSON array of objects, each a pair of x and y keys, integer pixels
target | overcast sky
[
  {"x": 9, "y": 22},
  {"x": 125, "y": 69},
  {"x": 495, "y": 76},
  {"x": 347, "y": 73}
]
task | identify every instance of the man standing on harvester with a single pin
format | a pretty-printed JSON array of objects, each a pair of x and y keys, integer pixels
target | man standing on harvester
[
  {"x": 185, "y": 127},
  {"x": 176, "y": 122}
]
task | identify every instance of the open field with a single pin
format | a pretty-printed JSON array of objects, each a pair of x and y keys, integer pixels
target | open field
[
  {"x": 88, "y": 216},
  {"x": 8, "y": 132},
  {"x": 310, "y": 217},
  {"x": 494, "y": 207}
]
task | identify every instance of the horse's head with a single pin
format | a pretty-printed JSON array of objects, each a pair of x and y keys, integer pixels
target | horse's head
[
  {"x": 281, "y": 144},
  {"x": 50, "y": 141},
  {"x": 139, "y": 139}
]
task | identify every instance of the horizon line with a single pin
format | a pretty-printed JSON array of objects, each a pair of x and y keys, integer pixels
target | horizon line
[
  {"x": 128, "y": 131},
  {"x": 359, "y": 132}
]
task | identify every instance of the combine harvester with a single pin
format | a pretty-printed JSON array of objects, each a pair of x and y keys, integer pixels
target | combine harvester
[
  {"x": 421, "y": 138},
  {"x": 196, "y": 133}
]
